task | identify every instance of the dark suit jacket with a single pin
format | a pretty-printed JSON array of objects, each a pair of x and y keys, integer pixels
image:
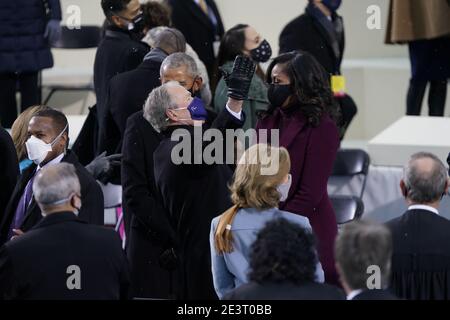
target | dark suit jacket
[
  {"x": 126, "y": 95},
  {"x": 35, "y": 266},
  {"x": 150, "y": 232},
  {"x": 197, "y": 28},
  {"x": 193, "y": 195},
  {"x": 117, "y": 53},
  {"x": 375, "y": 295},
  {"x": 92, "y": 209},
  {"x": 9, "y": 167},
  {"x": 285, "y": 291},
  {"x": 421, "y": 256},
  {"x": 307, "y": 34},
  {"x": 312, "y": 152}
]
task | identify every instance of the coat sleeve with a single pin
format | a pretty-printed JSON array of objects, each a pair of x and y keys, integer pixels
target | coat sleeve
[
  {"x": 294, "y": 37},
  {"x": 109, "y": 135},
  {"x": 222, "y": 278},
  {"x": 318, "y": 165},
  {"x": 7, "y": 280},
  {"x": 92, "y": 206},
  {"x": 137, "y": 191},
  {"x": 10, "y": 170},
  {"x": 55, "y": 9}
]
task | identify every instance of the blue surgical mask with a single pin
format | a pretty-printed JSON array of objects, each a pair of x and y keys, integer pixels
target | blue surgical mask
[{"x": 333, "y": 5}]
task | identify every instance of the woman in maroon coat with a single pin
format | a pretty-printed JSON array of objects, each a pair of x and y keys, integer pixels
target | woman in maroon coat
[{"x": 303, "y": 110}]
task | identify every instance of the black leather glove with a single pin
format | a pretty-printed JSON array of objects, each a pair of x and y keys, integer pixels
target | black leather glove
[
  {"x": 102, "y": 166},
  {"x": 240, "y": 78}
]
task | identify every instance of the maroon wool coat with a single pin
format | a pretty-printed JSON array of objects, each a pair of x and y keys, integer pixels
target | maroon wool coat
[{"x": 312, "y": 151}]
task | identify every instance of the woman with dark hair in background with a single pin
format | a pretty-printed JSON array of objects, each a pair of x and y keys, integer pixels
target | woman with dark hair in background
[
  {"x": 303, "y": 110},
  {"x": 244, "y": 39}
]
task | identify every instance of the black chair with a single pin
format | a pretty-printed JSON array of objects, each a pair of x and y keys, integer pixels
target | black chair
[
  {"x": 347, "y": 208},
  {"x": 87, "y": 37},
  {"x": 350, "y": 163}
]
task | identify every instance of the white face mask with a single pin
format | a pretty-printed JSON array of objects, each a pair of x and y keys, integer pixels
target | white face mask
[
  {"x": 38, "y": 149},
  {"x": 284, "y": 188}
]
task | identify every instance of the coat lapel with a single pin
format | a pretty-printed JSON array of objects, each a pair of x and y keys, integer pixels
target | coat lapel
[
  {"x": 288, "y": 134},
  {"x": 195, "y": 9}
]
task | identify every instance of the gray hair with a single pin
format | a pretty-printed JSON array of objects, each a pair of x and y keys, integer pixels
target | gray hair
[
  {"x": 425, "y": 185},
  {"x": 360, "y": 245},
  {"x": 56, "y": 183},
  {"x": 178, "y": 60},
  {"x": 156, "y": 105},
  {"x": 168, "y": 39}
]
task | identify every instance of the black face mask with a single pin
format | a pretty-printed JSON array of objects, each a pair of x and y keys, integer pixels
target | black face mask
[
  {"x": 194, "y": 94},
  {"x": 262, "y": 53},
  {"x": 278, "y": 94}
]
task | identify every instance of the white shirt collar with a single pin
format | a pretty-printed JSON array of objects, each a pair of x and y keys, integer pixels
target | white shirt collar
[
  {"x": 51, "y": 162},
  {"x": 353, "y": 294},
  {"x": 423, "y": 207}
]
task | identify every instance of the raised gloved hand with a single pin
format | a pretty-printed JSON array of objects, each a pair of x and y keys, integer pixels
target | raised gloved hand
[
  {"x": 53, "y": 31},
  {"x": 240, "y": 78},
  {"x": 102, "y": 166}
]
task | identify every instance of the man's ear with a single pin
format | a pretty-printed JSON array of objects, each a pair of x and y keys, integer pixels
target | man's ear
[
  {"x": 64, "y": 141},
  {"x": 171, "y": 114},
  {"x": 403, "y": 188},
  {"x": 446, "y": 186},
  {"x": 116, "y": 21},
  {"x": 198, "y": 84}
]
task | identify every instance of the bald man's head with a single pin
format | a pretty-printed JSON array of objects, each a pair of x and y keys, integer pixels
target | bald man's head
[
  {"x": 425, "y": 178},
  {"x": 56, "y": 185}
]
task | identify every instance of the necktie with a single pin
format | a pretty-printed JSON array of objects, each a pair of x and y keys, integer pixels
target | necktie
[
  {"x": 22, "y": 206},
  {"x": 202, "y": 4}
]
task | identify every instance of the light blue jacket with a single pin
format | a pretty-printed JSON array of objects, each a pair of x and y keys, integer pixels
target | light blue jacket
[{"x": 230, "y": 269}]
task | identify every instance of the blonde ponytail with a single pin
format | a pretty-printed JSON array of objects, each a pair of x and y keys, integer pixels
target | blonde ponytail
[{"x": 223, "y": 238}]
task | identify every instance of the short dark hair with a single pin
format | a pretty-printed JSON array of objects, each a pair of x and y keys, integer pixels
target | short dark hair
[
  {"x": 283, "y": 252},
  {"x": 156, "y": 14},
  {"x": 58, "y": 118},
  {"x": 362, "y": 244},
  {"x": 113, "y": 6}
]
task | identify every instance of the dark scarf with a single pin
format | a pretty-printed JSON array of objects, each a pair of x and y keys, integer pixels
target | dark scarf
[{"x": 334, "y": 29}]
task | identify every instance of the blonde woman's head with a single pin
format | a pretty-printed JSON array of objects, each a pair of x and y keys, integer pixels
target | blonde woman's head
[{"x": 253, "y": 187}]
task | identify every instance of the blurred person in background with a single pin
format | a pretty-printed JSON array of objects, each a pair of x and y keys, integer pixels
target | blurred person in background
[
  {"x": 120, "y": 50},
  {"x": 320, "y": 32},
  {"x": 28, "y": 28},
  {"x": 201, "y": 24},
  {"x": 244, "y": 39},
  {"x": 9, "y": 169},
  {"x": 425, "y": 26},
  {"x": 360, "y": 246},
  {"x": 255, "y": 196}
]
